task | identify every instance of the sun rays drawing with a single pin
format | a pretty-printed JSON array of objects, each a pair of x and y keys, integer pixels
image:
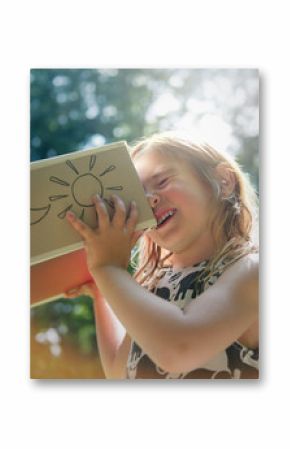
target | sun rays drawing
[{"x": 75, "y": 192}]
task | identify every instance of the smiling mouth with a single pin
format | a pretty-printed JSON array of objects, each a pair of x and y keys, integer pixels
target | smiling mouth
[{"x": 165, "y": 218}]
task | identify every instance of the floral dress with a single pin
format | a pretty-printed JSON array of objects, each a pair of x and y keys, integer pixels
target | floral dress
[{"x": 181, "y": 286}]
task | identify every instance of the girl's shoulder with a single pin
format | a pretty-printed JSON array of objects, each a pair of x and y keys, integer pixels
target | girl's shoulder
[
  {"x": 247, "y": 262},
  {"x": 243, "y": 273},
  {"x": 227, "y": 268}
]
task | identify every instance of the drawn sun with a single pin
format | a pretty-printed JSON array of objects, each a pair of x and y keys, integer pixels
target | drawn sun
[{"x": 82, "y": 183}]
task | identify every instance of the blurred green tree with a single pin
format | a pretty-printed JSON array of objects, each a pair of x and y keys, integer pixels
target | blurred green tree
[{"x": 73, "y": 109}]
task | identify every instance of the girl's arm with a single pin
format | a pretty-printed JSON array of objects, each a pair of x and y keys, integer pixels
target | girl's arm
[
  {"x": 184, "y": 340},
  {"x": 173, "y": 339},
  {"x": 113, "y": 342}
]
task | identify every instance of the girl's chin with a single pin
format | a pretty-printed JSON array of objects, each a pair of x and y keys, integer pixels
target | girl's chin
[
  {"x": 173, "y": 245},
  {"x": 176, "y": 242}
]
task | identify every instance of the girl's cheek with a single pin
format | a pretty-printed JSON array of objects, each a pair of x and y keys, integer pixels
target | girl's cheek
[{"x": 181, "y": 196}]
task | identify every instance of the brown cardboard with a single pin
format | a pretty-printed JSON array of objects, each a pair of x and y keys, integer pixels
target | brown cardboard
[{"x": 67, "y": 183}]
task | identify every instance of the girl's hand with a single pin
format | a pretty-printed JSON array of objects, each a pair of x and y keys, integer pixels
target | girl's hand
[{"x": 112, "y": 241}]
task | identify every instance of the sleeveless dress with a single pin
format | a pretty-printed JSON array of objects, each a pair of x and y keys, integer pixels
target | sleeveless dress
[{"x": 181, "y": 286}]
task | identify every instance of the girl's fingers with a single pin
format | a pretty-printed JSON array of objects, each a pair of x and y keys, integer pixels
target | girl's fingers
[
  {"x": 84, "y": 230},
  {"x": 103, "y": 216},
  {"x": 71, "y": 294},
  {"x": 84, "y": 289},
  {"x": 133, "y": 218},
  {"x": 119, "y": 217}
]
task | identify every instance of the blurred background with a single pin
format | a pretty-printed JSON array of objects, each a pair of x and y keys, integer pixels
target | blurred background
[{"x": 74, "y": 109}]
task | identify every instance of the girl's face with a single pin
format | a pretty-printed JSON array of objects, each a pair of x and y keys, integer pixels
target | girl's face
[{"x": 180, "y": 201}]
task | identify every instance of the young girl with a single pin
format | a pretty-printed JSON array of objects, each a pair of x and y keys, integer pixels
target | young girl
[{"x": 191, "y": 310}]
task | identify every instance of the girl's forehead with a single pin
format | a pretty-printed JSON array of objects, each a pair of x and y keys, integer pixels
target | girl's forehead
[
  {"x": 151, "y": 158},
  {"x": 153, "y": 163}
]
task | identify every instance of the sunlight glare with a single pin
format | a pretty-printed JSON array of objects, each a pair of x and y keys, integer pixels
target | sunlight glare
[
  {"x": 218, "y": 132},
  {"x": 55, "y": 350},
  {"x": 166, "y": 103},
  {"x": 52, "y": 336}
]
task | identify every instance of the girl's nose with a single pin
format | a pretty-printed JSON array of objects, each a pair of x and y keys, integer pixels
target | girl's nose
[{"x": 153, "y": 199}]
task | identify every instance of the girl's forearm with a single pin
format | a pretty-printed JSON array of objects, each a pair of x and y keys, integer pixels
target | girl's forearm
[
  {"x": 152, "y": 322},
  {"x": 110, "y": 335}
]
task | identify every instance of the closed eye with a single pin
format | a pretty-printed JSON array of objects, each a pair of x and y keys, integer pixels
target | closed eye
[{"x": 163, "y": 182}]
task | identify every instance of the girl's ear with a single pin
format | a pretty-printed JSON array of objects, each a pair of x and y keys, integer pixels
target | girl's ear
[{"x": 226, "y": 179}]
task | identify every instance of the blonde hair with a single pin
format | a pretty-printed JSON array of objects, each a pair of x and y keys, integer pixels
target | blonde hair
[{"x": 232, "y": 223}]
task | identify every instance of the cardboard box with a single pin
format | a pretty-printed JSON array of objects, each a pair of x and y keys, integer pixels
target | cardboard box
[{"x": 65, "y": 183}]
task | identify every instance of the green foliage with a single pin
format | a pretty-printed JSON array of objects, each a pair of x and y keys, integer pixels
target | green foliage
[
  {"x": 72, "y": 320},
  {"x": 72, "y": 109}
]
